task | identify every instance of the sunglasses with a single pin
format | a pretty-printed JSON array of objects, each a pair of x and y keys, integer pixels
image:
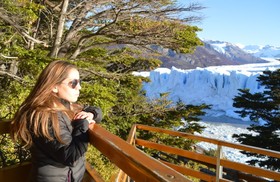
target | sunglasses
[{"x": 73, "y": 84}]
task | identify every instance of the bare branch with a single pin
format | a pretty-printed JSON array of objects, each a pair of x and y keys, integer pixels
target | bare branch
[
  {"x": 7, "y": 57},
  {"x": 12, "y": 76},
  {"x": 18, "y": 28},
  {"x": 78, "y": 22},
  {"x": 113, "y": 76},
  {"x": 53, "y": 6}
]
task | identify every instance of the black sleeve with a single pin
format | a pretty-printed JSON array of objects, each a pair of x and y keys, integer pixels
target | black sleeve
[
  {"x": 74, "y": 146},
  {"x": 96, "y": 111}
]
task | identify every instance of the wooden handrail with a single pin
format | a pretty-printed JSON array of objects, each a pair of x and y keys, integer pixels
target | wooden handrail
[
  {"x": 218, "y": 162},
  {"x": 132, "y": 161},
  {"x": 207, "y": 159},
  {"x": 21, "y": 172},
  {"x": 141, "y": 167},
  {"x": 4, "y": 126},
  {"x": 17, "y": 172},
  {"x": 138, "y": 165},
  {"x": 252, "y": 149}
]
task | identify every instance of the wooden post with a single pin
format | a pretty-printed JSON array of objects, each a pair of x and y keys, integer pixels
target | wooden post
[{"x": 219, "y": 168}]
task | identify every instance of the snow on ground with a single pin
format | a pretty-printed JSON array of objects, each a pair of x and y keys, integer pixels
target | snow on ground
[{"x": 222, "y": 128}]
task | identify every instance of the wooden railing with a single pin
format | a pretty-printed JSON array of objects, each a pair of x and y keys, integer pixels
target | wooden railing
[
  {"x": 135, "y": 163},
  {"x": 138, "y": 166},
  {"x": 241, "y": 171}
]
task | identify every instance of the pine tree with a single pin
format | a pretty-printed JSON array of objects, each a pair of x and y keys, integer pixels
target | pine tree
[{"x": 262, "y": 106}]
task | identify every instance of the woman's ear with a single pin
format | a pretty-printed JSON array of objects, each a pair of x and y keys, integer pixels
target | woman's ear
[{"x": 55, "y": 89}]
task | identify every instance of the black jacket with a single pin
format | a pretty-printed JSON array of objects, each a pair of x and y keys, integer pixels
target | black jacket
[{"x": 53, "y": 161}]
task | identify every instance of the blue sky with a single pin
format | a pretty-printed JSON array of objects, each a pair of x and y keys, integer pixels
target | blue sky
[{"x": 248, "y": 22}]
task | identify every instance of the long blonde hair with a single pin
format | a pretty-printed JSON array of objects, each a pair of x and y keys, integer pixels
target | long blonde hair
[{"x": 39, "y": 110}]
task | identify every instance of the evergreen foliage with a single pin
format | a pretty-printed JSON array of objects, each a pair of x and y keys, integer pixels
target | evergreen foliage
[
  {"x": 263, "y": 106},
  {"x": 107, "y": 41}
]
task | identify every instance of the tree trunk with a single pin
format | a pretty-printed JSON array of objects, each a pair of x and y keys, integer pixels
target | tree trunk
[{"x": 60, "y": 29}]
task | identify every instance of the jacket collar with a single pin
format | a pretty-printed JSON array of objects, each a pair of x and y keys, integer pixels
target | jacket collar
[{"x": 65, "y": 103}]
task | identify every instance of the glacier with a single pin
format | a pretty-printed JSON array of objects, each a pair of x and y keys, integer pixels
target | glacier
[{"x": 216, "y": 85}]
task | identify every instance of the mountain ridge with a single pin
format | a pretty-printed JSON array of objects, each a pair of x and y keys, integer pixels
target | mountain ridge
[
  {"x": 263, "y": 51},
  {"x": 216, "y": 53}
]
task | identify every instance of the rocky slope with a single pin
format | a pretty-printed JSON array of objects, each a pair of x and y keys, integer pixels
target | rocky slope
[{"x": 213, "y": 53}]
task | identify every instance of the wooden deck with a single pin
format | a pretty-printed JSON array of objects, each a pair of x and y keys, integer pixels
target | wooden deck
[{"x": 135, "y": 165}]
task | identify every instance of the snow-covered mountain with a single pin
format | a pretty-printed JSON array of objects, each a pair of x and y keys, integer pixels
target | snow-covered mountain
[
  {"x": 234, "y": 51},
  {"x": 255, "y": 50},
  {"x": 259, "y": 51},
  {"x": 213, "y": 53},
  {"x": 262, "y": 51}
]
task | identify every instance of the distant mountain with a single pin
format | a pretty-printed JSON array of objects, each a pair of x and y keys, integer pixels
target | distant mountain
[
  {"x": 263, "y": 51},
  {"x": 213, "y": 53}
]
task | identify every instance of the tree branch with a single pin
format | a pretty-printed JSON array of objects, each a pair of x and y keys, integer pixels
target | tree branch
[
  {"x": 7, "y": 57},
  {"x": 12, "y": 76},
  {"x": 18, "y": 28},
  {"x": 113, "y": 76}
]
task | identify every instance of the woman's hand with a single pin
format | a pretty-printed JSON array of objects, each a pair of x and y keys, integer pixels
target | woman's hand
[{"x": 85, "y": 115}]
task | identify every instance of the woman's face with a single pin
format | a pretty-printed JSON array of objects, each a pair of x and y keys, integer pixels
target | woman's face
[{"x": 69, "y": 89}]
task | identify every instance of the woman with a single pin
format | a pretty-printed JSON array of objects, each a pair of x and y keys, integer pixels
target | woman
[{"x": 53, "y": 126}]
